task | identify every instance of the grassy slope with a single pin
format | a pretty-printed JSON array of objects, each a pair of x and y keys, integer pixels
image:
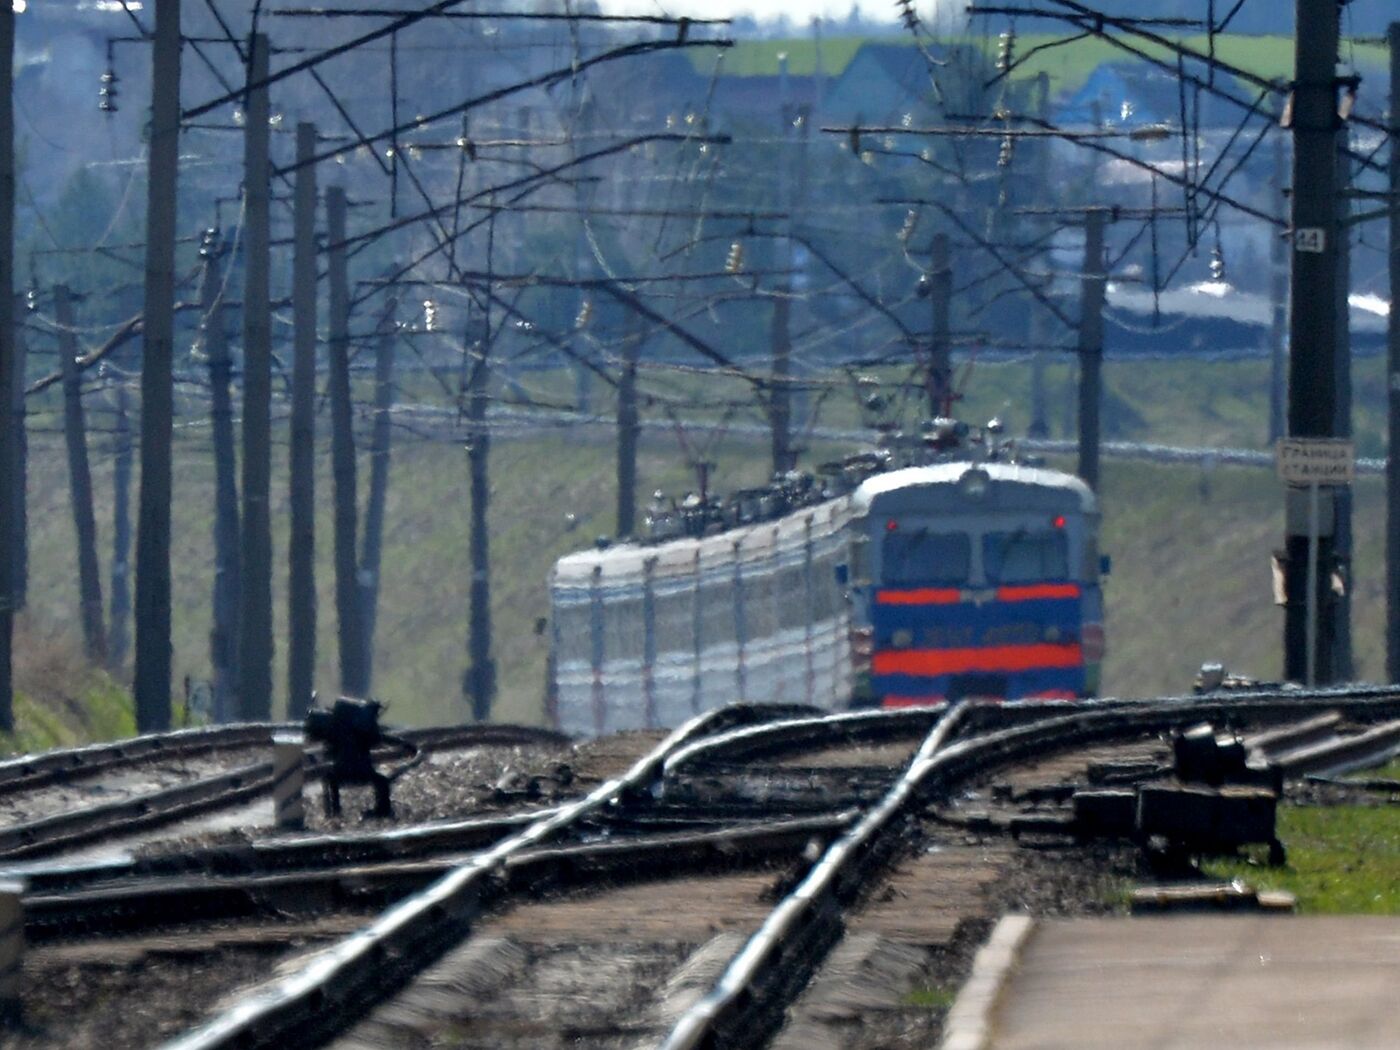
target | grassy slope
[
  {"x": 1067, "y": 66},
  {"x": 1191, "y": 574}
]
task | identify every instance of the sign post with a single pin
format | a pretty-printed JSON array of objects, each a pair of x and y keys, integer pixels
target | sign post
[{"x": 1314, "y": 462}]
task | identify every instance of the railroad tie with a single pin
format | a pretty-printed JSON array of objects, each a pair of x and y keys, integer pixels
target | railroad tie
[{"x": 288, "y": 781}]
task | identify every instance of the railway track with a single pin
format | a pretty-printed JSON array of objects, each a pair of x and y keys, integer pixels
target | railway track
[
  {"x": 191, "y": 776},
  {"x": 688, "y": 902}
]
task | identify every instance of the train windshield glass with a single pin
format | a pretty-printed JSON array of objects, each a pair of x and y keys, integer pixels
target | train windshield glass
[
  {"x": 1025, "y": 557},
  {"x": 917, "y": 557}
]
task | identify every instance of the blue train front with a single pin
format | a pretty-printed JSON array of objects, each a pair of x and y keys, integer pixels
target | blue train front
[{"x": 976, "y": 579}]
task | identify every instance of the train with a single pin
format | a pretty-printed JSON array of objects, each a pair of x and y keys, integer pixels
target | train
[{"x": 969, "y": 573}]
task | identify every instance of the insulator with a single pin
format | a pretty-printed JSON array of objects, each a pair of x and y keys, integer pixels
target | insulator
[
  {"x": 585, "y": 313},
  {"x": 1008, "y": 148},
  {"x": 911, "y": 220},
  {"x": 1217, "y": 264},
  {"x": 429, "y": 315},
  {"x": 209, "y": 242},
  {"x": 1006, "y": 49},
  {"x": 734, "y": 262},
  {"x": 107, "y": 91}
]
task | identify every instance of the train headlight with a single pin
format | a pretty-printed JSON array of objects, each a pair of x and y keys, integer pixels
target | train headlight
[{"x": 974, "y": 483}]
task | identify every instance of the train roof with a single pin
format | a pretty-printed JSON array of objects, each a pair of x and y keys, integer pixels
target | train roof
[
  {"x": 680, "y": 556},
  {"x": 948, "y": 474}
]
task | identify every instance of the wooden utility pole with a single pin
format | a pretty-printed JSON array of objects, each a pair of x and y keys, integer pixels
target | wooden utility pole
[
  {"x": 228, "y": 584},
  {"x": 628, "y": 429},
  {"x": 373, "y": 539},
  {"x": 1312, "y": 363},
  {"x": 79, "y": 479},
  {"x": 119, "y": 611},
  {"x": 8, "y": 489},
  {"x": 940, "y": 354},
  {"x": 301, "y": 550},
  {"x": 1392, "y": 463},
  {"x": 354, "y": 668},
  {"x": 255, "y": 621},
  {"x": 152, "y": 675},
  {"x": 1094, "y": 283}
]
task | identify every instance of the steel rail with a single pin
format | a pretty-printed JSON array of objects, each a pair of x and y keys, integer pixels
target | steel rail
[
  {"x": 745, "y": 1006},
  {"x": 75, "y": 827},
  {"x": 342, "y": 982},
  {"x": 63, "y": 764},
  {"x": 154, "y": 904}
]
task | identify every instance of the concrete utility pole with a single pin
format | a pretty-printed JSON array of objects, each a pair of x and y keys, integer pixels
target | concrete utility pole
[
  {"x": 479, "y": 682},
  {"x": 20, "y": 537},
  {"x": 1312, "y": 365},
  {"x": 152, "y": 674},
  {"x": 80, "y": 480},
  {"x": 119, "y": 611},
  {"x": 1341, "y": 637},
  {"x": 301, "y": 551},
  {"x": 1039, "y": 426},
  {"x": 940, "y": 351},
  {"x": 372, "y": 542},
  {"x": 8, "y": 490},
  {"x": 354, "y": 669},
  {"x": 223, "y": 634},
  {"x": 780, "y": 336},
  {"x": 1095, "y": 281},
  {"x": 1278, "y": 300},
  {"x": 255, "y": 621},
  {"x": 1392, "y": 466},
  {"x": 628, "y": 428}
]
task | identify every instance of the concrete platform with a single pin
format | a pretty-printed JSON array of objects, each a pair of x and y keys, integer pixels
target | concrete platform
[{"x": 1185, "y": 982}]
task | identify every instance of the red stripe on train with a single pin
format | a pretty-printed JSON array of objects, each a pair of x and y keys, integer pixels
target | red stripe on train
[
  {"x": 1037, "y": 591},
  {"x": 920, "y": 596},
  {"x": 992, "y": 658}
]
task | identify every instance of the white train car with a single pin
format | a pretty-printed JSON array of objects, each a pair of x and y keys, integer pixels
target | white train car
[{"x": 648, "y": 635}]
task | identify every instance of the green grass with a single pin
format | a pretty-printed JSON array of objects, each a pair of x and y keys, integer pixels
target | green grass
[
  {"x": 1341, "y": 860},
  {"x": 1191, "y": 550},
  {"x": 932, "y": 997},
  {"x": 1067, "y": 66}
]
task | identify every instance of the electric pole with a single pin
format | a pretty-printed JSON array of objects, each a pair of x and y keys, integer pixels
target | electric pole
[
  {"x": 255, "y": 621},
  {"x": 940, "y": 352},
  {"x": 480, "y": 679},
  {"x": 628, "y": 427},
  {"x": 1278, "y": 300},
  {"x": 119, "y": 611},
  {"x": 223, "y": 634},
  {"x": 79, "y": 480},
  {"x": 1392, "y": 464},
  {"x": 354, "y": 678},
  {"x": 1091, "y": 346},
  {"x": 1341, "y": 637},
  {"x": 301, "y": 550},
  {"x": 372, "y": 542},
  {"x": 8, "y": 490},
  {"x": 780, "y": 336},
  {"x": 152, "y": 674},
  {"x": 1312, "y": 364}
]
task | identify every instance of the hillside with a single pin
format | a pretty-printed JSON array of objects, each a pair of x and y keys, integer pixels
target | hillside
[{"x": 1191, "y": 550}]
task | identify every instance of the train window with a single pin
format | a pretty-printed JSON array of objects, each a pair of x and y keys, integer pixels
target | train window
[
  {"x": 1025, "y": 557},
  {"x": 918, "y": 557}
]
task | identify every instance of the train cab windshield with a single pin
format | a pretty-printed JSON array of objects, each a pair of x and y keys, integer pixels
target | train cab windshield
[
  {"x": 919, "y": 557},
  {"x": 1025, "y": 557}
]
